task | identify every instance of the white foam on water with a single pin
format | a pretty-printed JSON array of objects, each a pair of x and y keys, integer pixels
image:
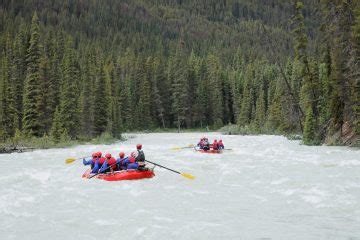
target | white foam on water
[{"x": 265, "y": 188}]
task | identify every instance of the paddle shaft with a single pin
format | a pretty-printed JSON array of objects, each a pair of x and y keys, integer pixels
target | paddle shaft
[{"x": 162, "y": 167}]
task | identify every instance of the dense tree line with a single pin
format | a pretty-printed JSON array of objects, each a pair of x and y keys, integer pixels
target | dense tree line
[{"x": 77, "y": 69}]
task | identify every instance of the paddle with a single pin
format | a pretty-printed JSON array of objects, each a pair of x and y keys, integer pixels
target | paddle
[
  {"x": 70, "y": 160},
  {"x": 186, "y": 175},
  {"x": 179, "y": 148}
]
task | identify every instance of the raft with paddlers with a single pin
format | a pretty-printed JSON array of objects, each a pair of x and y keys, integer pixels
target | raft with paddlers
[
  {"x": 121, "y": 175},
  {"x": 123, "y": 168}
]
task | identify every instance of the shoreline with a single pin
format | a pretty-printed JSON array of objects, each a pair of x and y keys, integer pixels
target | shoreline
[{"x": 28, "y": 145}]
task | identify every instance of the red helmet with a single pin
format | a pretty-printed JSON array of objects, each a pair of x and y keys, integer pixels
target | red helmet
[
  {"x": 94, "y": 155},
  {"x": 108, "y": 155},
  {"x": 121, "y": 154},
  {"x": 215, "y": 140},
  {"x": 220, "y": 140},
  {"x": 138, "y": 146},
  {"x": 99, "y": 154}
]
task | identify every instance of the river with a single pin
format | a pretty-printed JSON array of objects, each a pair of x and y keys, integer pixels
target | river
[{"x": 267, "y": 187}]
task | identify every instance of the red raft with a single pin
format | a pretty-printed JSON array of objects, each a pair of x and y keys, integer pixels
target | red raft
[
  {"x": 122, "y": 175},
  {"x": 209, "y": 151}
]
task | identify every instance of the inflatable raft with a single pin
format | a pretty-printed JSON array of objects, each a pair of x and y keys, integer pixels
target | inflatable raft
[
  {"x": 208, "y": 151},
  {"x": 121, "y": 175}
]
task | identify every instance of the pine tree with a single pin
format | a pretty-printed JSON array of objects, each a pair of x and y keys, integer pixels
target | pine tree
[
  {"x": 69, "y": 110},
  {"x": 56, "y": 128},
  {"x": 260, "y": 112},
  {"x": 247, "y": 100},
  {"x": 310, "y": 128},
  {"x": 215, "y": 98},
  {"x": 43, "y": 107},
  {"x": 10, "y": 116},
  {"x": 31, "y": 124},
  {"x": 101, "y": 102},
  {"x": 86, "y": 99},
  {"x": 158, "y": 80},
  {"x": 178, "y": 75},
  {"x": 144, "y": 104},
  {"x": 19, "y": 72}
]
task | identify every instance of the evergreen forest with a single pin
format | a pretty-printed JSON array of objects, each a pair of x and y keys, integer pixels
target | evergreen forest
[{"x": 77, "y": 69}]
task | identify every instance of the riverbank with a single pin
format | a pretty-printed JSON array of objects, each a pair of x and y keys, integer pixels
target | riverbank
[
  {"x": 22, "y": 144},
  {"x": 333, "y": 140}
]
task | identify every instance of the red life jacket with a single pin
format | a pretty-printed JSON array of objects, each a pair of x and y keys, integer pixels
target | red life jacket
[
  {"x": 132, "y": 159},
  {"x": 102, "y": 160},
  {"x": 215, "y": 145},
  {"x": 112, "y": 161}
]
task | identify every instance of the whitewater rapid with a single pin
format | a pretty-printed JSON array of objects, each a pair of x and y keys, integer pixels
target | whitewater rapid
[{"x": 267, "y": 187}]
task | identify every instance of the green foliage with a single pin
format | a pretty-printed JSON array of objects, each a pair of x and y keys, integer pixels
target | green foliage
[
  {"x": 56, "y": 129},
  {"x": 32, "y": 90},
  {"x": 112, "y": 66},
  {"x": 310, "y": 128}
]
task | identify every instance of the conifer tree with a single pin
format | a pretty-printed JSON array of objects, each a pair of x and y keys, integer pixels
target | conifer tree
[
  {"x": 69, "y": 92},
  {"x": 260, "y": 112},
  {"x": 32, "y": 91},
  {"x": 215, "y": 98},
  {"x": 101, "y": 102},
  {"x": 159, "y": 79},
  {"x": 310, "y": 128},
  {"x": 86, "y": 100},
  {"x": 178, "y": 75},
  {"x": 18, "y": 73},
  {"x": 247, "y": 100},
  {"x": 144, "y": 104},
  {"x": 56, "y": 128}
]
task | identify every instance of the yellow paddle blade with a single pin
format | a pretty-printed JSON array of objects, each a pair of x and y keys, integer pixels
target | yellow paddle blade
[
  {"x": 176, "y": 148},
  {"x": 70, "y": 160},
  {"x": 179, "y": 148},
  {"x": 189, "y": 176}
]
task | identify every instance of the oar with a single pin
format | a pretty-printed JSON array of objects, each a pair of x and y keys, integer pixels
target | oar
[
  {"x": 70, "y": 160},
  {"x": 186, "y": 175},
  {"x": 179, "y": 148}
]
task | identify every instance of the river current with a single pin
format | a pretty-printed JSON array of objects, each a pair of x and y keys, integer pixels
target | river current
[{"x": 266, "y": 187}]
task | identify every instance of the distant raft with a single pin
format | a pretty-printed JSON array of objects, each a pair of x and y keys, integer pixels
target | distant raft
[
  {"x": 208, "y": 151},
  {"x": 122, "y": 175}
]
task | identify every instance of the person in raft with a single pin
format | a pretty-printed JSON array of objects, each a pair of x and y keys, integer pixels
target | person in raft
[
  {"x": 215, "y": 145},
  {"x": 140, "y": 158},
  {"x": 206, "y": 145},
  {"x": 94, "y": 162},
  {"x": 136, "y": 160},
  {"x": 109, "y": 164},
  {"x": 220, "y": 145},
  {"x": 201, "y": 143},
  {"x": 120, "y": 162}
]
